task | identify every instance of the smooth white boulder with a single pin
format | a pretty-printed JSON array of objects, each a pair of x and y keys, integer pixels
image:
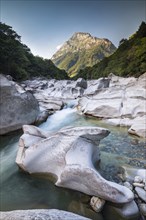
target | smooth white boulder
[
  {"x": 69, "y": 155},
  {"x": 41, "y": 214},
  {"x": 100, "y": 108}
]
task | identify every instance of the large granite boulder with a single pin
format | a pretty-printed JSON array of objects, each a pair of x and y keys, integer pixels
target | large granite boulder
[
  {"x": 95, "y": 85},
  {"x": 81, "y": 83},
  {"x": 121, "y": 102},
  {"x": 17, "y": 107},
  {"x": 48, "y": 103},
  {"x": 115, "y": 102},
  {"x": 69, "y": 155},
  {"x": 41, "y": 214}
]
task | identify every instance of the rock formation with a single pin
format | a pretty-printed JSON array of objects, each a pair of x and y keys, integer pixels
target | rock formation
[
  {"x": 116, "y": 100},
  {"x": 17, "y": 107},
  {"x": 122, "y": 102},
  {"x": 69, "y": 155}
]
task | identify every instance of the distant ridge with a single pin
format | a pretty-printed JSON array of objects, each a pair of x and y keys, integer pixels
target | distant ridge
[
  {"x": 128, "y": 60},
  {"x": 80, "y": 51}
]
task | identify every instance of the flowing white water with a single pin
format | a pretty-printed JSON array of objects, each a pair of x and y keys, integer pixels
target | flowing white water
[{"x": 59, "y": 119}]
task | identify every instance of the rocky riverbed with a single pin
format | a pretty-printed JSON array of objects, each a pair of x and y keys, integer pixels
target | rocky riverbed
[
  {"x": 72, "y": 162},
  {"x": 116, "y": 100}
]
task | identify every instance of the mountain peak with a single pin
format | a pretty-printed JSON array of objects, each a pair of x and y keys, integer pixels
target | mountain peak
[
  {"x": 80, "y": 34},
  {"x": 82, "y": 50}
]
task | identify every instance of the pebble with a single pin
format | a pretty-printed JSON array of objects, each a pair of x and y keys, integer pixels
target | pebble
[
  {"x": 141, "y": 185},
  {"x": 138, "y": 179},
  {"x": 97, "y": 203}
]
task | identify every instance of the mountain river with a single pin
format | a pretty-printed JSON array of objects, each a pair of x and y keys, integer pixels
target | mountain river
[{"x": 23, "y": 191}]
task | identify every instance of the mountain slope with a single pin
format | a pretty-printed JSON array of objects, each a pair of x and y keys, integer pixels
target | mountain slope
[
  {"x": 128, "y": 60},
  {"x": 81, "y": 50}
]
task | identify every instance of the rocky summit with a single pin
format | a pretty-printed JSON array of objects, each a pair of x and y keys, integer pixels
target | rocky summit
[{"x": 82, "y": 50}]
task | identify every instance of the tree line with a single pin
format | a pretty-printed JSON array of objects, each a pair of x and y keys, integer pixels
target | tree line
[{"x": 17, "y": 60}]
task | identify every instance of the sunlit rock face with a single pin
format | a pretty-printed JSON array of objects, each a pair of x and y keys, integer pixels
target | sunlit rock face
[
  {"x": 69, "y": 155},
  {"x": 17, "y": 107},
  {"x": 41, "y": 214},
  {"x": 82, "y": 50}
]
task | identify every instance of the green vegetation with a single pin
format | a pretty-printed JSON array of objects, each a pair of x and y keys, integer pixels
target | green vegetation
[
  {"x": 128, "y": 60},
  {"x": 17, "y": 60}
]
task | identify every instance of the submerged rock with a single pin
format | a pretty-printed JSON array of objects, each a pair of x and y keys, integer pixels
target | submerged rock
[
  {"x": 128, "y": 211},
  {"x": 97, "y": 203},
  {"x": 70, "y": 155},
  {"x": 130, "y": 173},
  {"x": 41, "y": 214},
  {"x": 17, "y": 107},
  {"x": 84, "y": 210}
]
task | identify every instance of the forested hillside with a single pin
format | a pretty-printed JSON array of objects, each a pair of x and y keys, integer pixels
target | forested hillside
[
  {"x": 128, "y": 60},
  {"x": 17, "y": 60}
]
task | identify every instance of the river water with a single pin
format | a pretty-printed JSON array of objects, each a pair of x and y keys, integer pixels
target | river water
[{"x": 22, "y": 191}]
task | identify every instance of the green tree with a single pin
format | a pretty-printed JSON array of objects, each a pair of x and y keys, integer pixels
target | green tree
[{"x": 17, "y": 60}]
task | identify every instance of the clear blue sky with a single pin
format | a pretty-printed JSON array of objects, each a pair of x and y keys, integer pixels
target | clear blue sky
[{"x": 45, "y": 24}]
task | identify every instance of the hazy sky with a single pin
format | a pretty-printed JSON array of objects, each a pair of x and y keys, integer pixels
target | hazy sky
[{"x": 46, "y": 24}]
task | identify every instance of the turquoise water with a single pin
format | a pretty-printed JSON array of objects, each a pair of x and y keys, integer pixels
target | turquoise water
[{"x": 22, "y": 191}]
